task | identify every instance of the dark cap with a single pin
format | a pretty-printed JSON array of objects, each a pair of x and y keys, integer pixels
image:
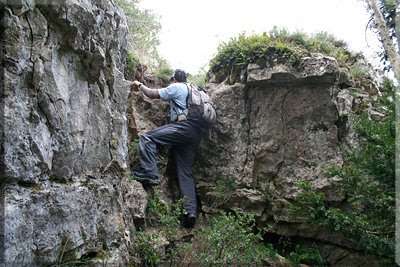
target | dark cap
[{"x": 179, "y": 75}]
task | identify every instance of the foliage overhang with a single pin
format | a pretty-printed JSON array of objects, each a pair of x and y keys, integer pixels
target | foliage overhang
[{"x": 279, "y": 46}]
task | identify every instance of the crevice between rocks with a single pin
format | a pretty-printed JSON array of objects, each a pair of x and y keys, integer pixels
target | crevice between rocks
[
  {"x": 285, "y": 135},
  {"x": 41, "y": 110},
  {"x": 31, "y": 35},
  {"x": 247, "y": 120},
  {"x": 283, "y": 249}
]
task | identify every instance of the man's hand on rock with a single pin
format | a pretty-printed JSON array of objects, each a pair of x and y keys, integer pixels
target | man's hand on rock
[
  {"x": 151, "y": 93},
  {"x": 136, "y": 83}
]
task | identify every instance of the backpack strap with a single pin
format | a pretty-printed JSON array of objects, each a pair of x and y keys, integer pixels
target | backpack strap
[
  {"x": 188, "y": 94},
  {"x": 180, "y": 106},
  {"x": 187, "y": 99}
]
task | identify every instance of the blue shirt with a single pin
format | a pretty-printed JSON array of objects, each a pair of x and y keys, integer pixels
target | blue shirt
[{"x": 178, "y": 93}]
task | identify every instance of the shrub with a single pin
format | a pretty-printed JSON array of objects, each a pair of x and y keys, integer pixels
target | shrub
[
  {"x": 166, "y": 219},
  {"x": 164, "y": 73},
  {"x": 285, "y": 46},
  {"x": 231, "y": 239},
  {"x": 356, "y": 71},
  {"x": 167, "y": 215},
  {"x": 306, "y": 255},
  {"x": 198, "y": 79},
  {"x": 223, "y": 190},
  {"x": 130, "y": 65},
  {"x": 145, "y": 244}
]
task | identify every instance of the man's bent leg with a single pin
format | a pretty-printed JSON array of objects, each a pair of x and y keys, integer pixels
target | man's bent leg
[{"x": 170, "y": 134}]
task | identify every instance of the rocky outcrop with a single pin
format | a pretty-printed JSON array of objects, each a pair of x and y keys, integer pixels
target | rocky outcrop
[
  {"x": 64, "y": 141},
  {"x": 277, "y": 127},
  {"x": 65, "y": 134},
  {"x": 274, "y": 132}
]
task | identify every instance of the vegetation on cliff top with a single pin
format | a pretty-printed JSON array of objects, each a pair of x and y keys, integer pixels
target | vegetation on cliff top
[{"x": 289, "y": 47}]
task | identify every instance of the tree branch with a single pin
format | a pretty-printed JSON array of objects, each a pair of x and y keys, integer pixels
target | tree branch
[{"x": 387, "y": 42}]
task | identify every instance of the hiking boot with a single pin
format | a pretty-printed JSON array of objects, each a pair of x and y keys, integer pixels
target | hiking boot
[
  {"x": 145, "y": 178},
  {"x": 189, "y": 220}
]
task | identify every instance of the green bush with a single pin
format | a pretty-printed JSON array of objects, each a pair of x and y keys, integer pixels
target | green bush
[
  {"x": 166, "y": 220},
  {"x": 231, "y": 239},
  {"x": 164, "y": 73},
  {"x": 275, "y": 45},
  {"x": 198, "y": 79},
  {"x": 223, "y": 190},
  {"x": 226, "y": 239},
  {"x": 368, "y": 180},
  {"x": 167, "y": 215},
  {"x": 130, "y": 65},
  {"x": 145, "y": 244},
  {"x": 306, "y": 255},
  {"x": 356, "y": 70},
  {"x": 299, "y": 253}
]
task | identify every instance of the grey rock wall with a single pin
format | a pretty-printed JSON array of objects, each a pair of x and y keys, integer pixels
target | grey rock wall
[
  {"x": 277, "y": 127},
  {"x": 64, "y": 142},
  {"x": 64, "y": 138}
]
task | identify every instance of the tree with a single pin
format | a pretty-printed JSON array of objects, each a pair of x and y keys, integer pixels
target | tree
[
  {"x": 387, "y": 22},
  {"x": 144, "y": 27},
  {"x": 384, "y": 17},
  {"x": 397, "y": 25}
]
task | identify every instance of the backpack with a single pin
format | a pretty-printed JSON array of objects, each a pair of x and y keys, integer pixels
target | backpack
[{"x": 199, "y": 106}]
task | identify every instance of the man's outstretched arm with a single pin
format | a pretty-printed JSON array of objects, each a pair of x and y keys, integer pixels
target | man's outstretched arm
[{"x": 151, "y": 93}]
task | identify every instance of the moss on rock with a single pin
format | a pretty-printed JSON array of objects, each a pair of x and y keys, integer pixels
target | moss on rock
[{"x": 275, "y": 47}]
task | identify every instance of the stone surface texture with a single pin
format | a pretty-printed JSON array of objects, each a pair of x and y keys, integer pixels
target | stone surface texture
[
  {"x": 277, "y": 127},
  {"x": 64, "y": 142},
  {"x": 66, "y": 131}
]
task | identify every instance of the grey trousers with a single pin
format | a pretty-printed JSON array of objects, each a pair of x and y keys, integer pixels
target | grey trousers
[{"x": 184, "y": 137}]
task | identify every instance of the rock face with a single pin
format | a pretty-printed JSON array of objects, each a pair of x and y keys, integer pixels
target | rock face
[
  {"x": 65, "y": 134},
  {"x": 64, "y": 141},
  {"x": 277, "y": 126}
]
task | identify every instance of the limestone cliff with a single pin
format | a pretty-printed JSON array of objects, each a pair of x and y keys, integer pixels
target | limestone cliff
[
  {"x": 64, "y": 141},
  {"x": 279, "y": 125},
  {"x": 65, "y": 134}
]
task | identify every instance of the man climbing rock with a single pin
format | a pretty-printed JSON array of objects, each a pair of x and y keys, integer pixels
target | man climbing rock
[{"x": 182, "y": 134}]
